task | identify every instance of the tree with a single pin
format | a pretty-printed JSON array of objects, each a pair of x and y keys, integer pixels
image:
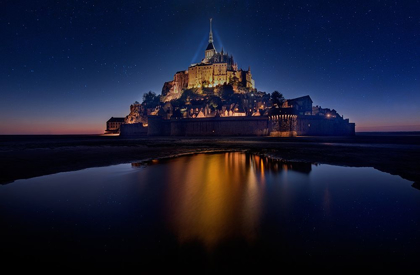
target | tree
[
  {"x": 177, "y": 113},
  {"x": 150, "y": 99},
  {"x": 188, "y": 94},
  {"x": 215, "y": 102},
  {"x": 277, "y": 99},
  {"x": 178, "y": 102},
  {"x": 227, "y": 92}
]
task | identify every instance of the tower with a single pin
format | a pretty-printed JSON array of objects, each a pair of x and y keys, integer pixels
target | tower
[{"x": 210, "y": 50}]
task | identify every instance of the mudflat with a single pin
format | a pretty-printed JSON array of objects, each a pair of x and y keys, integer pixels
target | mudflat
[{"x": 24, "y": 157}]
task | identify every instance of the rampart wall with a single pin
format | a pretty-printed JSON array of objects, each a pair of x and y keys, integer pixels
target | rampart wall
[
  {"x": 277, "y": 126},
  {"x": 321, "y": 126},
  {"x": 135, "y": 129}
]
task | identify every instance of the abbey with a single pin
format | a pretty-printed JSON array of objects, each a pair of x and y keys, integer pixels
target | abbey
[
  {"x": 215, "y": 69},
  {"x": 215, "y": 98}
]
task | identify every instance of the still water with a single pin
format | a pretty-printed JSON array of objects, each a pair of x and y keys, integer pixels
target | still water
[{"x": 216, "y": 212}]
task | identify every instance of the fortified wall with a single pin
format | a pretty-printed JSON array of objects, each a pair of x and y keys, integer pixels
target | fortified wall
[
  {"x": 282, "y": 125},
  {"x": 275, "y": 126},
  {"x": 229, "y": 126},
  {"x": 133, "y": 130},
  {"x": 224, "y": 126},
  {"x": 319, "y": 126}
]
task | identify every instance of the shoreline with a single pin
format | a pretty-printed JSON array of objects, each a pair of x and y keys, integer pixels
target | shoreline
[{"x": 32, "y": 156}]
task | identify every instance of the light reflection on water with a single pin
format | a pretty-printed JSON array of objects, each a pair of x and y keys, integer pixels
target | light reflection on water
[
  {"x": 212, "y": 198},
  {"x": 260, "y": 209}
]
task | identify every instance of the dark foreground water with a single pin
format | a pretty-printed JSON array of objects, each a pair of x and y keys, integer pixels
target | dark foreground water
[{"x": 214, "y": 212}]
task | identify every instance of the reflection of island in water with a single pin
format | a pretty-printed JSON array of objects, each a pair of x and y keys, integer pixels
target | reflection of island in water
[{"x": 213, "y": 197}]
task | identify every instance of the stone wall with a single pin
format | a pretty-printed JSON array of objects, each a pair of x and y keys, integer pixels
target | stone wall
[
  {"x": 135, "y": 129},
  {"x": 157, "y": 126},
  {"x": 322, "y": 126},
  {"x": 282, "y": 126},
  {"x": 221, "y": 126},
  {"x": 277, "y": 126},
  {"x": 229, "y": 126}
]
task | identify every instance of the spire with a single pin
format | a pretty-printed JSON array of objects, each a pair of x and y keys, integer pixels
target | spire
[{"x": 211, "y": 33}]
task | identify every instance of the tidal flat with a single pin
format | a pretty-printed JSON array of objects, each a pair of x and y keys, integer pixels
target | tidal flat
[{"x": 23, "y": 157}]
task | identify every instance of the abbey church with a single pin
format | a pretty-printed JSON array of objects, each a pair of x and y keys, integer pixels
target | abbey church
[{"x": 216, "y": 68}]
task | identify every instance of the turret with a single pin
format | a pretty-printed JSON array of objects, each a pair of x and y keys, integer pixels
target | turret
[
  {"x": 211, "y": 32},
  {"x": 210, "y": 50}
]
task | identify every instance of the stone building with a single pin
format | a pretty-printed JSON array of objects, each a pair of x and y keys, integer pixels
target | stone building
[
  {"x": 113, "y": 125},
  {"x": 216, "y": 68},
  {"x": 326, "y": 112},
  {"x": 301, "y": 105}
]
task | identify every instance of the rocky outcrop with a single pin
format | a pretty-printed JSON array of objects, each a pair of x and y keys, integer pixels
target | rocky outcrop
[
  {"x": 167, "y": 87},
  {"x": 173, "y": 89},
  {"x": 138, "y": 114}
]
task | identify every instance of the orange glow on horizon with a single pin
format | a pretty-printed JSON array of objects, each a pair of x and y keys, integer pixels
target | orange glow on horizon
[{"x": 53, "y": 128}]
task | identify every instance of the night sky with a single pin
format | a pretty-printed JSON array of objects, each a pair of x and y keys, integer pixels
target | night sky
[{"x": 66, "y": 67}]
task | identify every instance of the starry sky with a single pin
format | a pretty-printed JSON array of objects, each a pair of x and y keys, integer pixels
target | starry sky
[{"x": 66, "y": 67}]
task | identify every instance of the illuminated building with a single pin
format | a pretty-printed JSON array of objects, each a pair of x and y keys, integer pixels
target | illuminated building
[{"x": 215, "y": 69}]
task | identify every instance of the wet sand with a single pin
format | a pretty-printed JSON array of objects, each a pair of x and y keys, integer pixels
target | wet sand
[{"x": 24, "y": 157}]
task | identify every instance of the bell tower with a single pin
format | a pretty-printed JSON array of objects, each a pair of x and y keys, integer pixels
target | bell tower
[{"x": 210, "y": 50}]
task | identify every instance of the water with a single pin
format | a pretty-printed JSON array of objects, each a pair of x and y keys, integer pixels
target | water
[{"x": 216, "y": 212}]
